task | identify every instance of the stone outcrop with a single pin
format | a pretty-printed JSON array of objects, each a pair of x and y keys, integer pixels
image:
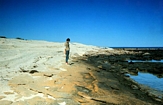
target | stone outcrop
[
  {"x": 117, "y": 62},
  {"x": 34, "y": 73}
]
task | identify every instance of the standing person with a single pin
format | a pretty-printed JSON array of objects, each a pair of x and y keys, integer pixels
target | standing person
[{"x": 67, "y": 49}]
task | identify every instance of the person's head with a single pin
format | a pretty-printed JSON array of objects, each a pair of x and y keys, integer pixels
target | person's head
[{"x": 68, "y": 39}]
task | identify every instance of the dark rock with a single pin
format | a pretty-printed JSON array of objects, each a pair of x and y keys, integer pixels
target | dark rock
[
  {"x": 131, "y": 62},
  {"x": 35, "y": 66},
  {"x": 126, "y": 75},
  {"x": 100, "y": 66},
  {"x": 48, "y": 75},
  {"x": 88, "y": 68},
  {"x": 134, "y": 87},
  {"x": 106, "y": 66},
  {"x": 160, "y": 75},
  {"x": 83, "y": 89},
  {"x": 112, "y": 59},
  {"x": 33, "y": 71},
  {"x": 23, "y": 70},
  {"x": 157, "y": 99},
  {"x": 115, "y": 87}
]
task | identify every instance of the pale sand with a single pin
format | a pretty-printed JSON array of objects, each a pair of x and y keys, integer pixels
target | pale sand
[{"x": 17, "y": 55}]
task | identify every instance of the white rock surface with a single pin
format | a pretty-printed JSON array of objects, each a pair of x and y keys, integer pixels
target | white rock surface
[{"x": 28, "y": 55}]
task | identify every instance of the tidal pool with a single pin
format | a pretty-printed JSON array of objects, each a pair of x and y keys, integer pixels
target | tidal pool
[
  {"x": 154, "y": 61},
  {"x": 149, "y": 80}
]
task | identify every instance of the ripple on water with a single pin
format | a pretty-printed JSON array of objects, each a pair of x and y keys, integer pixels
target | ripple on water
[{"x": 149, "y": 80}]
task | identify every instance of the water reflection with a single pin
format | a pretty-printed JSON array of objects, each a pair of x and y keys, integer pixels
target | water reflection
[
  {"x": 149, "y": 80},
  {"x": 154, "y": 61}
]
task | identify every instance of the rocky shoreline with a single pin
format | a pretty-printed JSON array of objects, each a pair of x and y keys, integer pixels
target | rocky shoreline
[
  {"x": 116, "y": 62},
  {"x": 35, "y": 73}
]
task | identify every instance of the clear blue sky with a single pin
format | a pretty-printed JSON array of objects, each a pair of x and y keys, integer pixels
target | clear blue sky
[{"x": 112, "y": 23}]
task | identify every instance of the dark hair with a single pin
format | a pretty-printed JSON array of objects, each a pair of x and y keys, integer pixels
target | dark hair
[{"x": 68, "y": 39}]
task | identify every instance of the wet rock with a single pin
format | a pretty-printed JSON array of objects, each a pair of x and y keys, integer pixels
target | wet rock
[
  {"x": 133, "y": 73},
  {"x": 106, "y": 66},
  {"x": 123, "y": 72},
  {"x": 100, "y": 66},
  {"x": 146, "y": 58},
  {"x": 157, "y": 58},
  {"x": 97, "y": 70},
  {"x": 146, "y": 53},
  {"x": 131, "y": 62},
  {"x": 157, "y": 99},
  {"x": 114, "y": 87},
  {"x": 83, "y": 89},
  {"x": 113, "y": 67},
  {"x": 160, "y": 75},
  {"x": 99, "y": 62},
  {"x": 134, "y": 87},
  {"x": 112, "y": 59},
  {"x": 126, "y": 75}
]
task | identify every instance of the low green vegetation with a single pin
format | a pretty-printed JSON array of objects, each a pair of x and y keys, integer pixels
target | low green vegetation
[
  {"x": 2, "y": 37},
  {"x": 19, "y": 38}
]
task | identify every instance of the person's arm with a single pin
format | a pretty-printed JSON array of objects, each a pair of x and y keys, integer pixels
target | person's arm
[
  {"x": 65, "y": 48},
  {"x": 65, "y": 51}
]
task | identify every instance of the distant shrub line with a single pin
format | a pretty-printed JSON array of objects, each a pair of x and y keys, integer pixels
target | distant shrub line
[
  {"x": 2, "y": 37},
  {"x": 16, "y": 38},
  {"x": 19, "y": 38}
]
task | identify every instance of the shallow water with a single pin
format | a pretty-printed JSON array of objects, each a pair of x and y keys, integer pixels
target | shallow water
[
  {"x": 149, "y": 80},
  {"x": 154, "y": 61}
]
